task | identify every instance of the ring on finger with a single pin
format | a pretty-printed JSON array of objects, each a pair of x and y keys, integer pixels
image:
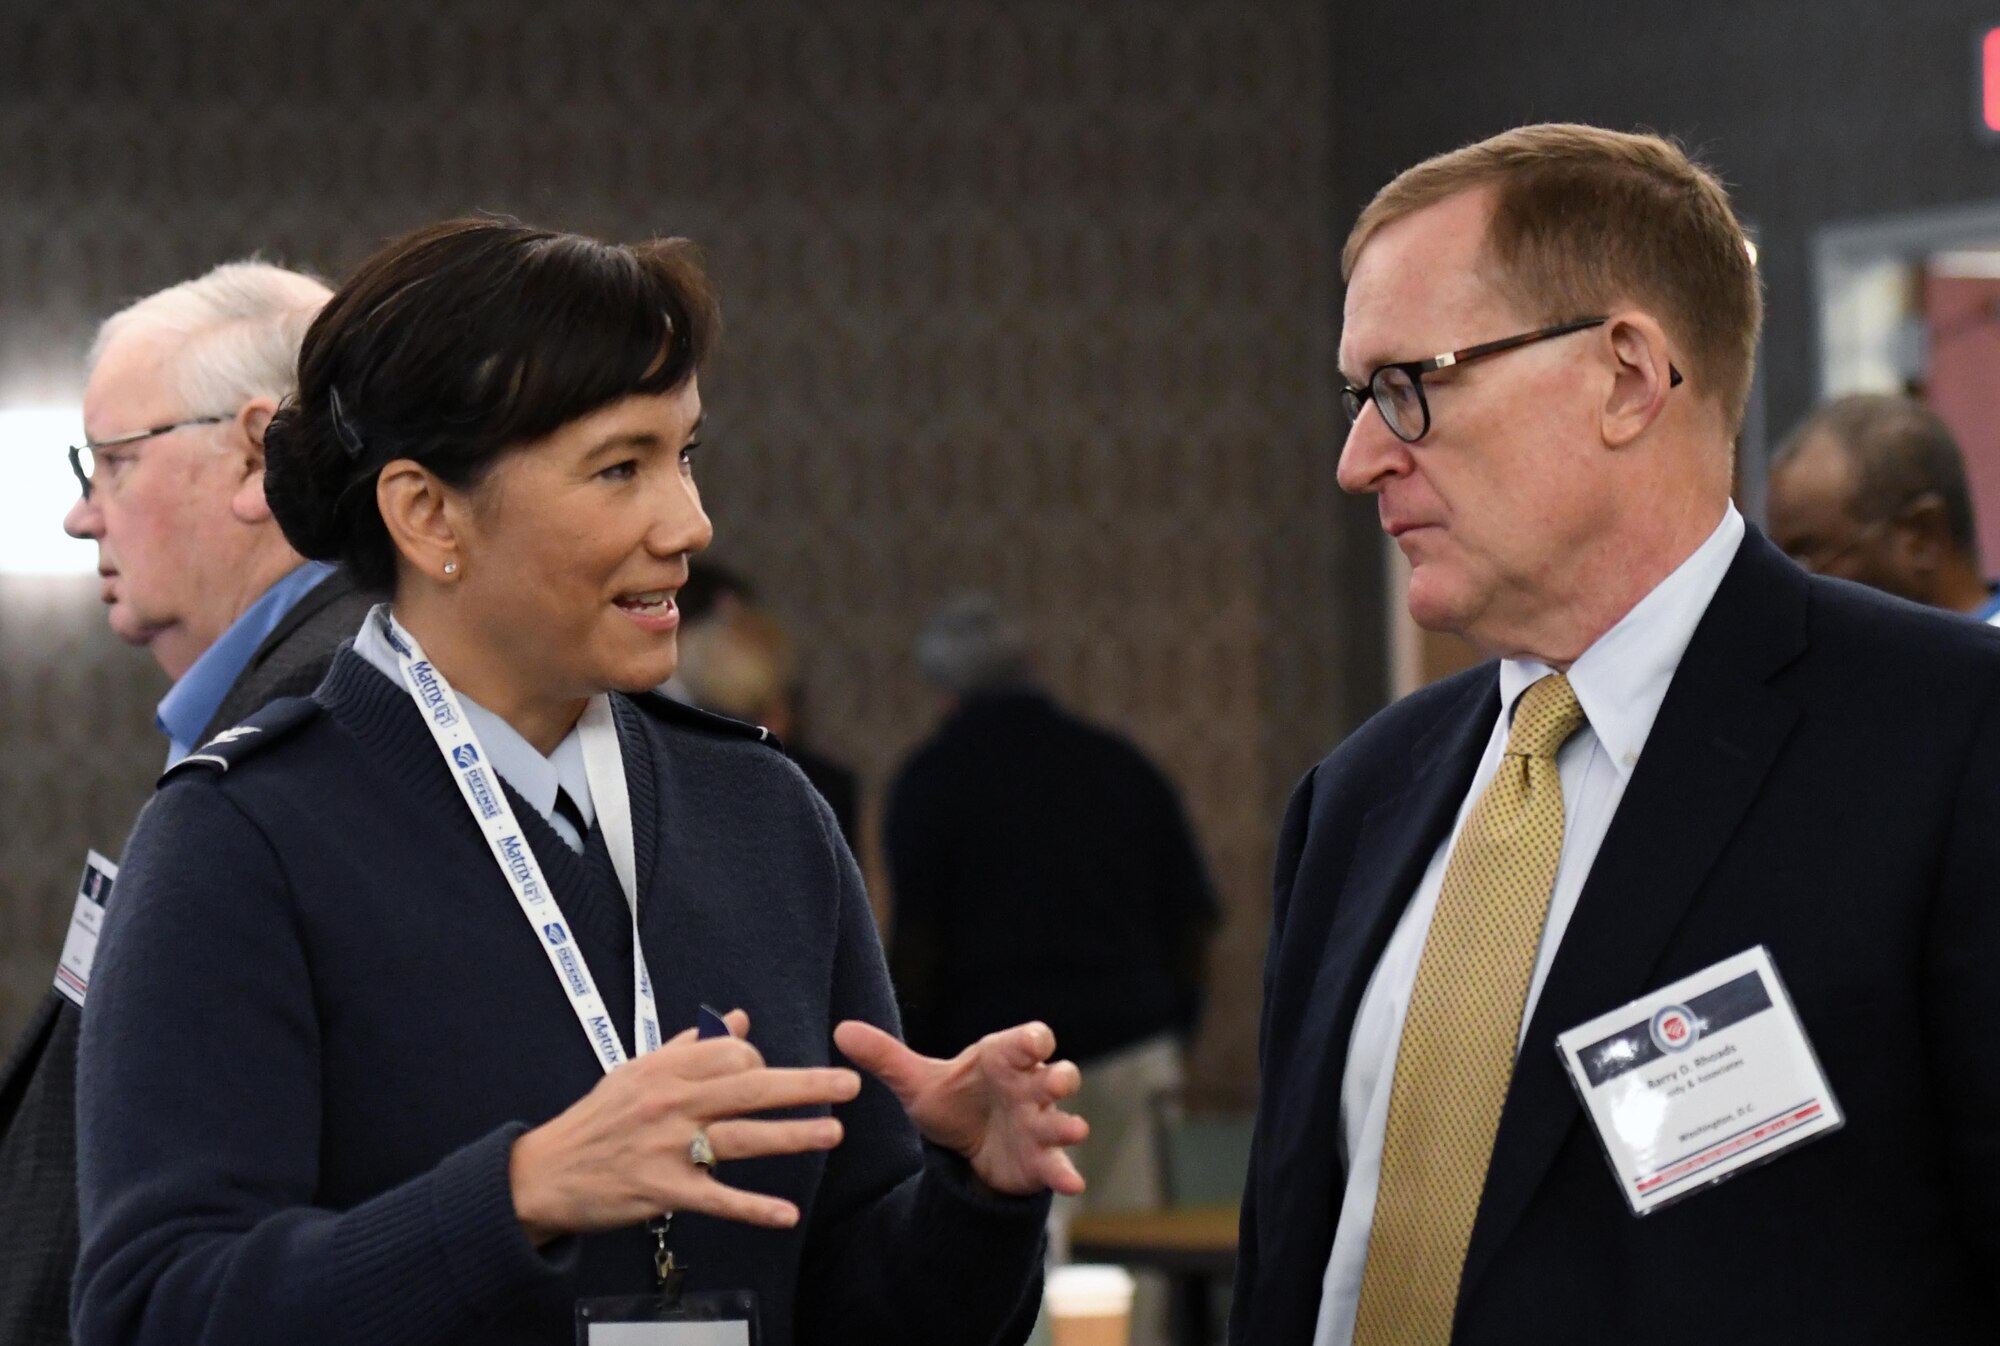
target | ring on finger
[{"x": 701, "y": 1153}]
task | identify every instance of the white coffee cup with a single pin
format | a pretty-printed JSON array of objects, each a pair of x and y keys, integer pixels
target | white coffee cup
[{"x": 1090, "y": 1305}]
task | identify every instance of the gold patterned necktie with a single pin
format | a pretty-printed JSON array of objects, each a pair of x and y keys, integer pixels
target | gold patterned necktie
[{"x": 1459, "y": 1036}]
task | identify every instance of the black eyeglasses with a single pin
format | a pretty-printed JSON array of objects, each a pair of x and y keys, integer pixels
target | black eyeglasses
[
  {"x": 83, "y": 457},
  {"x": 1398, "y": 390}
]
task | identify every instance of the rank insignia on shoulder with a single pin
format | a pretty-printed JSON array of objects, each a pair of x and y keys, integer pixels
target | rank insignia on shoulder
[
  {"x": 666, "y": 708},
  {"x": 232, "y": 746}
]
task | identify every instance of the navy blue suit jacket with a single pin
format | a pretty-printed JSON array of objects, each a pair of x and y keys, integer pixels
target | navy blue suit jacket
[{"x": 1823, "y": 779}]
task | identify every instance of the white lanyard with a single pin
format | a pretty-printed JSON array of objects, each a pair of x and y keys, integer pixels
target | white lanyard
[{"x": 604, "y": 765}]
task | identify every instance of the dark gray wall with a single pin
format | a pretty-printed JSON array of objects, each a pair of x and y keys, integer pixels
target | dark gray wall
[{"x": 1814, "y": 111}]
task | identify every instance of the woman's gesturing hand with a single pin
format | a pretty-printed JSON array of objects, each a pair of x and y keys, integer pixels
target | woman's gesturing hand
[
  {"x": 994, "y": 1103},
  {"x": 620, "y": 1154}
]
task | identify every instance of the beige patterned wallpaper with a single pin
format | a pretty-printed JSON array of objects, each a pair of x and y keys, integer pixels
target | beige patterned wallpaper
[{"x": 1033, "y": 297}]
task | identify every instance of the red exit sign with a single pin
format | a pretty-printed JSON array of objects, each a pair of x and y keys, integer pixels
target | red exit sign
[{"x": 1986, "y": 63}]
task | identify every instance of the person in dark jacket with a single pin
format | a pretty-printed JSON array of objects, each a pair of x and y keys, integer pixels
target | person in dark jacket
[
  {"x": 194, "y": 569},
  {"x": 392, "y": 1031},
  {"x": 1036, "y": 859}
]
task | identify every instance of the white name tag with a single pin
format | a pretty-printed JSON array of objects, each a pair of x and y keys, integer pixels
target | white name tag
[
  {"x": 1699, "y": 1080},
  {"x": 725, "y": 1318},
  {"x": 669, "y": 1334},
  {"x": 80, "y": 949}
]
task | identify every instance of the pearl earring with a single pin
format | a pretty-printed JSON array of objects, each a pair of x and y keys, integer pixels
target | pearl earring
[{"x": 451, "y": 567}]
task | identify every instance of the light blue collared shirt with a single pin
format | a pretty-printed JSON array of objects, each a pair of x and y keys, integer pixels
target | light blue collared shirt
[
  {"x": 192, "y": 702},
  {"x": 534, "y": 777},
  {"x": 1990, "y": 614}
]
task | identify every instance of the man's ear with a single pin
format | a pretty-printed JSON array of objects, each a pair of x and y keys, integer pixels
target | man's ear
[
  {"x": 246, "y": 447},
  {"x": 424, "y": 516},
  {"x": 1642, "y": 375}
]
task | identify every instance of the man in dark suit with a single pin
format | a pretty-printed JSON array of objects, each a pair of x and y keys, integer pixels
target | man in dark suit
[
  {"x": 182, "y": 384},
  {"x": 1685, "y": 748}
]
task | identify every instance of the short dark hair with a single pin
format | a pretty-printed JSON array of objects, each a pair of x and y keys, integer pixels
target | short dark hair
[
  {"x": 454, "y": 345},
  {"x": 1899, "y": 449}
]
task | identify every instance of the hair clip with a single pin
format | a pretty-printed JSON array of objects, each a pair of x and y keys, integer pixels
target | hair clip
[{"x": 349, "y": 440}]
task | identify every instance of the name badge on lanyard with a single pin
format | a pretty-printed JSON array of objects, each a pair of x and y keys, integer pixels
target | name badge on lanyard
[
  {"x": 665, "y": 1318},
  {"x": 728, "y": 1319}
]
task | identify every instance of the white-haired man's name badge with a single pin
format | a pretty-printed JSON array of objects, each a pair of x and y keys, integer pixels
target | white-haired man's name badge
[
  {"x": 80, "y": 948},
  {"x": 1699, "y": 1081}
]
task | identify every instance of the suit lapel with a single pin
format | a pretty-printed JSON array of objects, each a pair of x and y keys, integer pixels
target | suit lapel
[
  {"x": 246, "y": 694},
  {"x": 310, "y": 604},
  {"x": 1394, "y": 842},
  {"x": 1717, "y": 734}
]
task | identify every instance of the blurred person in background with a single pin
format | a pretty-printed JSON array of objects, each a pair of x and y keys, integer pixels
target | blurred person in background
[
  {"x": 1037, "y": 859},
  {"x": 737, "y": 661},
  {"x": 1872, "y": 488},
  {"x": 391, "y": 1036},
  {"x": 713, "y": 589},
  {"x": 182, "y": 384}
]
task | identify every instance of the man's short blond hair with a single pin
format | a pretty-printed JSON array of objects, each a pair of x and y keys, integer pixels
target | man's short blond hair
[{"x": 1586, "y": 220}]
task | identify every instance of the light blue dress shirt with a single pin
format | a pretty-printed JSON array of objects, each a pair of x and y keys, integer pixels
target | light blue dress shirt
[
  {"x": 534, "y": 777},
  {"x": 192, "y": 702},
  {"x": 1990, "y": 614}
]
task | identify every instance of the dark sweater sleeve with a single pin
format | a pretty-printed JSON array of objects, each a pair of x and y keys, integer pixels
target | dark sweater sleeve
[
  {"x": 904, "y": 1245},
  {"x": 198, "y": 1128}
]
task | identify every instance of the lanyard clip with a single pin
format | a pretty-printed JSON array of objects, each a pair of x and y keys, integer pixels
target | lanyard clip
[{"x": 667, "y": 1273}]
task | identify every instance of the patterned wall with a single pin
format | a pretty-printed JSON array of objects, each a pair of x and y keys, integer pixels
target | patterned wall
[{"x": 1032, "y": 297}]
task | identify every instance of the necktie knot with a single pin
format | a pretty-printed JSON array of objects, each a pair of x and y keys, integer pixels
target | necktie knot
[{"x": 1544, "y": 718}]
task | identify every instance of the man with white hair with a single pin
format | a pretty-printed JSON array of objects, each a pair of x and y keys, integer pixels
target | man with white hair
[
  {"x": 182, "y": 385},
  {"x": 194, "y": 568}
]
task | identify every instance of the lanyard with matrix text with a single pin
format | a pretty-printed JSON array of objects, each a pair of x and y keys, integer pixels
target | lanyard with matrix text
[{"x": 604, "y": 766}]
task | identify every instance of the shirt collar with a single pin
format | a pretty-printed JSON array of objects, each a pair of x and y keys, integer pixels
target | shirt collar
[
  {"x": 1989, "y": 612},
  {"x": 194, "y": 700},
  {"x": 534, "y": 777},
  {"x": 1621, "y": 680}
]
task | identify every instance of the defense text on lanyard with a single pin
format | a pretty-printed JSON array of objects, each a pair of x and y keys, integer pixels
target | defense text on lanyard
[{"x": 480, "y": 787}]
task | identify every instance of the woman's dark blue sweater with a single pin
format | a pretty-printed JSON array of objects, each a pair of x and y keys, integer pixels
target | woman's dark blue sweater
[{"x": 318, "y": 1023}]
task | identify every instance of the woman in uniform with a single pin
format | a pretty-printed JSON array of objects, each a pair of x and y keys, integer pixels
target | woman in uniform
[{"x": 398, "y": 1029}]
